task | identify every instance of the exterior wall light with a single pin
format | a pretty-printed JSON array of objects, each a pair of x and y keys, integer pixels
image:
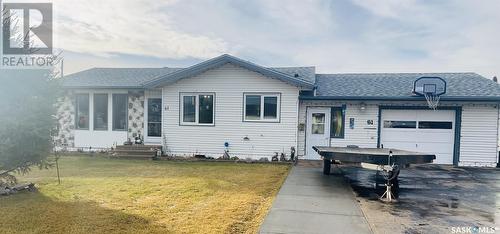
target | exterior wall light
[{"x": 362, "y": 106}]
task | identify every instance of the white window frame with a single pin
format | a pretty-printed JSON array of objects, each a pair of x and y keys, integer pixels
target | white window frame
[
  {"x": 262, "y": 97},
  {"x": 197, "y": 109}
]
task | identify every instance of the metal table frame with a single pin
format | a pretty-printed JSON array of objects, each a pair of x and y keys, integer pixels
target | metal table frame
[{"x": 389, "y": 160}]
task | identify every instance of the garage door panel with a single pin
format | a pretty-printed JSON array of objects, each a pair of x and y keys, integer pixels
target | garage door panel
[
  {"x": 433, "y": 133},
  {"x": 399, "y": 136},
  {"x": 435, "y": 115},
  {"x": 399, "y": 115},
  {"x": 441, "y": 137},
  {"x": 399, "y": 145},
  {"x": 436, "y": 148},
  {"x": 444, "y": 159}
]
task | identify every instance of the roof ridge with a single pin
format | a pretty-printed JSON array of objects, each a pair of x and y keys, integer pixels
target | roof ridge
[
  {"x": 132, "y": 68},
  {"x": 393, "y": 73},
  {"x": 295, "y": 67},
  {"x": 221, "y": 60}
]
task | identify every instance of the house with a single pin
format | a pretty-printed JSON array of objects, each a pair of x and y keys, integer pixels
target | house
[{"x": 255, "y": 111}]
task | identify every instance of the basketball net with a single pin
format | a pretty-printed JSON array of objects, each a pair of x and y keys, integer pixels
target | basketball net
[{"x": 432, "y": 100}]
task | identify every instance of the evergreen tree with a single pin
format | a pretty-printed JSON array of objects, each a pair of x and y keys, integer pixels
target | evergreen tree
[{"x": 27, "y": 109}]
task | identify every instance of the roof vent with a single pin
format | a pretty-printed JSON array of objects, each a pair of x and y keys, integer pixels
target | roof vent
[{"x": 296, "y": 75}]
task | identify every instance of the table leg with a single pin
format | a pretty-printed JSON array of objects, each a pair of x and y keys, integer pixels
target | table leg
[{"x": 327, "y": 165}]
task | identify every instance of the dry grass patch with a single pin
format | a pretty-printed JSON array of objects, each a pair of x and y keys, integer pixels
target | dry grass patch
[{"x": 100, "y": 195}]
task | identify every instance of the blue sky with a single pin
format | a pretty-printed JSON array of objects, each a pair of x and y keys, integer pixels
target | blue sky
[{"x": 335, "y": 36}]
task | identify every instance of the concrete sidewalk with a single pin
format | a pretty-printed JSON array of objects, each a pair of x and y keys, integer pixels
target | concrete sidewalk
[{"x": 310, "y": 202}]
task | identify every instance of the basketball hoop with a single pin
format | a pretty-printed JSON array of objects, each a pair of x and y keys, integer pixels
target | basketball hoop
[
  {"x": 432, "y": 100},
  {"x": 431, "y": 88}
]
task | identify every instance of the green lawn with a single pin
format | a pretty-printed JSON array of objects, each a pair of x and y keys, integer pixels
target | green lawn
[{"x": 99, "y": 195}]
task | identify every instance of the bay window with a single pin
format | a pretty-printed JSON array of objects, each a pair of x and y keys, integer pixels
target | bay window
[
  {"x": 197, "y": 108},
  {"x": 82, "y": 111},
  {"x": 100, "y": 111},
  {"x": 261, "y": 107},
  {"x": 120, "y": 103}
]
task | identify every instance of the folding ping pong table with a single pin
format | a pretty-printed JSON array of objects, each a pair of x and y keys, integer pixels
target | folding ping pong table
[{"x": 384, "y": 159}]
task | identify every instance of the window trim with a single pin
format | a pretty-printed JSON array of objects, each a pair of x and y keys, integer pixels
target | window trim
[
  {"x": 262, "y": 96},
  {"x": 94, "y": 113},
  {"x": 197, "y": 109},
  {"x": 324, "y": 123},
  {"x": 76, "y": 111},
  {"x": 432, "y": 128},
  {"x": 113, "y": 112},
  {"x": 342, "y": 132},
  {"x": 414, "y": 124}
]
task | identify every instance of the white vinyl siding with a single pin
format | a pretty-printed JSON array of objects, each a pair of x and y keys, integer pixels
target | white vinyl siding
[
  {"x": 363, "y": 134},
  {"x": 478, "y": 138},
  {"x": 246, "y": 139},
  {"x": 479, "y": 132}
]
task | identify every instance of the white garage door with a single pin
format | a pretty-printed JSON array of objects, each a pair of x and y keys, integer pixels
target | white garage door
[{"x": 425, "y": 131}]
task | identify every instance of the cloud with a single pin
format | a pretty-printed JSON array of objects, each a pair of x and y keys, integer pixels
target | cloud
[
  {"x": 139, "y": 27},
  {"x": 336, "y": 36},
  {"x": 386, "y": 8}
]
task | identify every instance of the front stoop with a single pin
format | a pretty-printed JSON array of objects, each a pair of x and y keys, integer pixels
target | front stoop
[{"x": 136, "y": 151}]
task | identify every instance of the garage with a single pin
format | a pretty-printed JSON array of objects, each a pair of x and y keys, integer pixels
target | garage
[{"x": 427, "y": 131}]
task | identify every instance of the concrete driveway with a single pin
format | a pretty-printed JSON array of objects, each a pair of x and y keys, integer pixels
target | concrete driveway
[
  {"x": 310, "y": 202},
  {"x": 432, "y": 199}
]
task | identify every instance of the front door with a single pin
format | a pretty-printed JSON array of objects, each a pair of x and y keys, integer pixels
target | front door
[
  {"x": 153, "y": 121},
  {"x": 318, "y": 131}
]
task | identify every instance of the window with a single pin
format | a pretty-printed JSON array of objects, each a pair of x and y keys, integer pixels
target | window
[
  {"x": 100, "y": 111},
  {"x": 120, "y": 102},
  {"x": 82, "y": 111},
  {"x": 261, "y": 107},
  {"x": 435, "y": 125},
  {"x": 252, "y": 107},
  {"x": 197, "y": 109},
  {"x": 318, "y": 123},
  {"x": 400, "y": 124},
  {"x": 337, "y": 122},
  {"x": 154, "y": 117},
  {"x": 189, "y": 113},
  {"x": 206, "y": 109},
  {"x": 270, "y": 108}
]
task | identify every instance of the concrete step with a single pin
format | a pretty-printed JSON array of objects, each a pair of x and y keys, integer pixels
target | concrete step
[
  {"x": 133, "y": 156},
  {"x": 135, "y": 152}
]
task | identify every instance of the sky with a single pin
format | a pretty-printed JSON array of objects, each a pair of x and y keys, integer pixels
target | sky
[{"x": 338, "y": 36}]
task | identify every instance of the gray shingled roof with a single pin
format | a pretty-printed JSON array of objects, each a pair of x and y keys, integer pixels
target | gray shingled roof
[
  {"x": 378, "y": 86},
  {"x": 115, "y": 77},
  {"x": 218, "y": 61},
  {"x": 136, "y": 77},
  {"x": 399, "y": 86},
  {"x": 307, "y": 74}
]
